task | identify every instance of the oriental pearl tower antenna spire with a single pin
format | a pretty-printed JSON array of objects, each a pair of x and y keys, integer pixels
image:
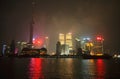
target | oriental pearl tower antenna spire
[{"x": 32, "y": 25}]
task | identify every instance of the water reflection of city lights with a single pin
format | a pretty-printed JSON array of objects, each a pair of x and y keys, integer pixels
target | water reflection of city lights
[
  {"x": 100, "y": 69},
  {"x": 35, "y": 69},
  {"x": 94, "y": 69}
]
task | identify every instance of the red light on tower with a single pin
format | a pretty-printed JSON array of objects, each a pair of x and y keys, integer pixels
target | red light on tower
[
  {"x": 99, "y": 38},
  {"x": 38, "y": 42}
]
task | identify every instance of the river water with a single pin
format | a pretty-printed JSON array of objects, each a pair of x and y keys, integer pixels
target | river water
[{"x": 59, "y": 68}]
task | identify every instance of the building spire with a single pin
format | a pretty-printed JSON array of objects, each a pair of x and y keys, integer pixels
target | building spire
[{"x": 32, "y": 24}]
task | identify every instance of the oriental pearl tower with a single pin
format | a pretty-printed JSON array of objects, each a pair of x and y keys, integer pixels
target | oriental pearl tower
[{"x": 31, "y": 26}]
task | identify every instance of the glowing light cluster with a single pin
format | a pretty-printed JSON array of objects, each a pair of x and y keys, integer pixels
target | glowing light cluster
[
  {"x": 86, "y": 38},
  {"x": 99, "y": 38},
  {"x": 38, "y": 42}
]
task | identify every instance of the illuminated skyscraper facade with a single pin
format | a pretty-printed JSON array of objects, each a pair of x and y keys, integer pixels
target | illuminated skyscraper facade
[
  {"x": 66, "y": 43},
  {"x": 68, "y": 40},
  {"x": 62, "y": 38}
]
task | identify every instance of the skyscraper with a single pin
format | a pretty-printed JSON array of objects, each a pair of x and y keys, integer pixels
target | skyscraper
[
  {"x": 66, "y": 43},
  {"x": 62, "y": 38},
  {"x": 58, "y": 48},
  {"x": 68, "y": 40}
]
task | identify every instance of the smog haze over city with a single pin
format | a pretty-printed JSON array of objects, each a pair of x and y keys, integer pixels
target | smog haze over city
[{"x": 51, "y": 17}]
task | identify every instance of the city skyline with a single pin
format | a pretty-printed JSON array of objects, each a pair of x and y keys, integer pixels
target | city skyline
[{"x": 53, "y": 17}]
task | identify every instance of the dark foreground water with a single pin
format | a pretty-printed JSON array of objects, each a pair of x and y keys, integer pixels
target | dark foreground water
[{"x": 59, "y": 68}]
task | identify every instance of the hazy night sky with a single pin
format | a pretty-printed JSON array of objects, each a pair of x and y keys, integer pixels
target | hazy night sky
[{"x": 60, "y": 16}]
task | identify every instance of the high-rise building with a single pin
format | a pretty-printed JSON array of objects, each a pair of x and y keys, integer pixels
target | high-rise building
[
  {"x": 65, "y": 49},
  {"x": 46, "y": 43},
  {"x": 58, "y": 48},
  {"x": 66, "y": 43},
  {"x": 62, "y": 38}
]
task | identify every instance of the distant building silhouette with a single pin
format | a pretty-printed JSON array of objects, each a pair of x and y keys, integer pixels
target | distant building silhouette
[
  {"x": 58, "y": 48},
  {"x": 12, "y": 47},
  {"x": 79, "y": 51},
  {"x": 78, "y": 47}
]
